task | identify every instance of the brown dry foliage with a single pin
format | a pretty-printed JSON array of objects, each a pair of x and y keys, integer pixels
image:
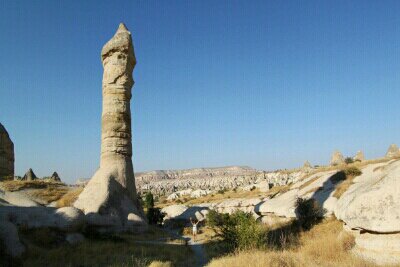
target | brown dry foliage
[
  {"x": 324, "y": 245},
  {"x": 69, "y": 198},
  {"x": 36, "y": 184},
  {"x": 50, "y": 194}
]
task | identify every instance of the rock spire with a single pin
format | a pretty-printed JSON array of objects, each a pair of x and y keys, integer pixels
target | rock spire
[
  {"x": 110, "y": 198},
  {"x": 6, "y": 155}
]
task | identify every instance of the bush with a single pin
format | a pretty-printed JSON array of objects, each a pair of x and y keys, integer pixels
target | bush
[
  {"x": 148, "y": 201},
  {"x": 221, "y": 191},
  {"x": 308, "y": 212},
  {"x": 239, "y": 230},
  {"x": 155, "y": 216},
  {"x": 352, "y": 171},
  {"x": 348, "y": 160}
]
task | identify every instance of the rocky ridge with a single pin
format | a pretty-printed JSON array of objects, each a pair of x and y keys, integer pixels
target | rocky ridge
[{"x": 211, "y": 179}]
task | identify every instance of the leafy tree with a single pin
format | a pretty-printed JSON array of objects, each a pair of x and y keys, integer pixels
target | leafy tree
[{"x": 148, "y": 201}]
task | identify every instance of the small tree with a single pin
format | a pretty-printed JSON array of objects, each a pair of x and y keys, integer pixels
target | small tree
[
  {"x": 148, "y": 201},
  {"x": 348, "y": 160},
  {"x": 155, "y": 216},
  {"x": 309, "y": 212},
  {"x": 239, "y": 229}
]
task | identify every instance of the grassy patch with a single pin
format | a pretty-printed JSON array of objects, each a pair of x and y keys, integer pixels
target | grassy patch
[
  {"x": 69, "y": 198},
  {"x": 324, "y": 245},
  {"x": 50, "y": 193},
  {"x": 121, "y": 250},
  {"x": 345, "y": 179},
  {"x": 37, "y": 184},
  {"x": 304, "y": 185}
]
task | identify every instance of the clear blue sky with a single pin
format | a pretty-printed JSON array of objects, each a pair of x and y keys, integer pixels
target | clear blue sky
[{"x": 267, "y": 84}]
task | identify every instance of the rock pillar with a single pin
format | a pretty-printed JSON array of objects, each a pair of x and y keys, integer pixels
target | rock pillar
[{"x": 109, "y": 199}]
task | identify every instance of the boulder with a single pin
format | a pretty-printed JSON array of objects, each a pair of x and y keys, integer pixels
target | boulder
[
  {"x": 337, "y": 158},
  {"x": 173, "y": 211},
  {"x": 18, "y": 199},
  {"x": 199, "y": 193},
  {"x": 69, "y": 219},
  {"x": 6, "y": 155},
  {"x": 370, "y": 209},
  {"x": 10, "y": 238},
  {"x": 372, "y": 203}
]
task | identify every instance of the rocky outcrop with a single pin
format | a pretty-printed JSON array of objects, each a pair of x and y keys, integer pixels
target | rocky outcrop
[
  {"x": 359, "y": 156},
  {"x": 109, "y": 200},
  {"x": 29, "y": 176},
  {"x": 212, "y": 179},
  {"x": 55, "y": 177},
  {"x": 337, "y": 158},
  {"x": 6, "y": 155},
  {"x": 370, "y": 208},
  {"x": 393, "y": 151}
]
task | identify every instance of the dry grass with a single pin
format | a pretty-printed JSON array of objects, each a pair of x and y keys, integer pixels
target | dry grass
[
  {"x": 119, "y": 251},
  {"x": 304, "y": 185},
  {"x": 343, "y": 187},
  {"x": 324, "y": 245},
  {"x": 20, "y": 185},
  {"x": 50, "y": 193},
  {"x": 69, "y": 198}
]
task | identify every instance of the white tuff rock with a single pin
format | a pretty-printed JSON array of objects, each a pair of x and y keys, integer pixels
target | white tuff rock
[{"x": 111, "y": 193}]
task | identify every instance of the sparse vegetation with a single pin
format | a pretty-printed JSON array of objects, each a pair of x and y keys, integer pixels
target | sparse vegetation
[
  {"x": 240, "y": 230},
  {"x": 326, "y": 244},
  {"x": 304, "y": 185},
  {"x": 50, "y": 193},
  {"x": 69, "y": 198},
  {"x": 122, "y": 250},
  {"x": 345, "y": 180},
  {"x": 308, "y": 212},
  {"x": 36, "y": 184}
]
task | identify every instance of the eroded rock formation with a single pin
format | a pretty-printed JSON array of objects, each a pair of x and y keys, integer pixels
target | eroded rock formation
[
  {"x": 359, "y": 156},
  {"x": 393, "y": 151},
  {"x": 109, "y": 200},
  {"x": 29, "y": 176},
  {"x": 337, "y": 158},
  {"x": 6, "y": 155}
]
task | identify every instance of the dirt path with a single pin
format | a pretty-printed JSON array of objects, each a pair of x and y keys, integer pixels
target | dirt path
[
  {"x": 199, "y": 252},
  {"x": 197, "y": 248}
]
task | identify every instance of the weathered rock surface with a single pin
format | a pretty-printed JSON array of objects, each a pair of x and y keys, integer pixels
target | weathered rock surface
[
  {"x": 6, "y": 154},
  {"x": 10, "y": 238},
  {"x": 359, "y": 156},
  {"x": 337, "y": 158},
  {"x": 393, "y": 151},
  {"x": 111, "y": 193},
  {"x": 18, "y": 199},
  {"x": 372, "y": 203},
  {"x": 29, "y": 176}
]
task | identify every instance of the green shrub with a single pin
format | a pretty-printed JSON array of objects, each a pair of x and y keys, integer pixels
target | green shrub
[
  {"x": 155, "y": 216},
  {"x": 239, "y": 229},
  {"x": 348, "y": 160},
  {"x": 148, "y": 201},
  {"x": 309, "y": 212}
]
